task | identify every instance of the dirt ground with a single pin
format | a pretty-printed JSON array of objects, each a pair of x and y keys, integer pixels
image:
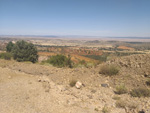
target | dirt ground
[
  {"x": 35, "y": 88},
  {"x": 23, "y": 93}
]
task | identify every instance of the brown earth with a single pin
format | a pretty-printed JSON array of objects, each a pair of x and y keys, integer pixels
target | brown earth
[{"x": 34, "y": 88}]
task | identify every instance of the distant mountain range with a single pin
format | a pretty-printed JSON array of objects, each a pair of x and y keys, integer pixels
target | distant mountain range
[{"x": 72, "y": 36}]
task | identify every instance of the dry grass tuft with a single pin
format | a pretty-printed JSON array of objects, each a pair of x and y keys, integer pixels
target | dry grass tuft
[
  {"x": 109, "y": 70},
  {"x": 121, "y": 89},
  {"x": 140, "y": 92}
]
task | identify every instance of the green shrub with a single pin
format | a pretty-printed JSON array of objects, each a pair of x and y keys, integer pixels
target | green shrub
[
  {"x": 121, "y": 89},
  {"x": 24, "y": 51},
  {"x": 6, "y": 56},
  {"x": 9, "y": 47},
  {"x": 140, "y": 92},
  {"x": 60, "y": 61},
  {"x": 109, "y": 70}
]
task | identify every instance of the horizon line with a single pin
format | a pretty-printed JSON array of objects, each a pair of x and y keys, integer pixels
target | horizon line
[{"x": 80, "y": 36}]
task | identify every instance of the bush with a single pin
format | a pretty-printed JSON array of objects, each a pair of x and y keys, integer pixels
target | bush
[
  {"x": 109, "y": 70},
  {"x": 24, "y": 51},
  {"x": 9, "y": 47},
  {"x": 140, "y": 92},
  {"x": 60, "y": 61},
  {"x": 6, "y": 56},
  {"x": 121, "y": 89}
]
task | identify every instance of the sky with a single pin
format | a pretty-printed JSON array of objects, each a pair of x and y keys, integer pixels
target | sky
[{"x": 114, "y": 18}]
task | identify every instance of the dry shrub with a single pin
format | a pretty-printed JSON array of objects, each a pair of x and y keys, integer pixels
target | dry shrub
[
  {"x": 109, "y": 70},
  {"x": 140, "y": 92},
  {"x": 121, "y": 89},
  {"x": 116, "y": 98},
  {"x": 121, "y": 104},
  {"x": 124, "y": 104},
  {"x": 105, "y": 109}
]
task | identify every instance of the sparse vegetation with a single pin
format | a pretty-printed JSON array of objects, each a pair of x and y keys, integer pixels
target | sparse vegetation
[
  {"x": 109, "y": 70},
  {"x": 121, "y": 89},
  {"x": 24, "y": 51},
  {"x": 120, "y": 104},
  {"x": 105, "y": 109},
  {"x": 129, "y": 72},
  {"x": 91, "y": 64},
  {"x": 96, "y": 109},
  {"x": 81, "y": 63},
  {"x": 132, "y": 105},
  {"x": 148, "y": 82},
  {"x": 60, "y": 61},
  {"x": 140, "y": 92},
  {"x": 123, "y": 104},
  {"x": 72, "y": 83},
  {"x": 6, "y": 56},
  {"x": 101, "y": 58},
  {"x": 116, "y": 98}
]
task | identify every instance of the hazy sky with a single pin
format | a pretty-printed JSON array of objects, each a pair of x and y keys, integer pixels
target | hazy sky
[{"x": 75, "y": 17}]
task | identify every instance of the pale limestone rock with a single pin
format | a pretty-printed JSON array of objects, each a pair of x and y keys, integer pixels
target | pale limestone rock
[{"x": 78, "y": 85}]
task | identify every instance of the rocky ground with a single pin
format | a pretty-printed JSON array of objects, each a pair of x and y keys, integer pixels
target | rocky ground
[{"x": 35, "y": 88}]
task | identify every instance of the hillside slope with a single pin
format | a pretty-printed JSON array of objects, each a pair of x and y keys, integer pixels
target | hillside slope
[{"x": 34, "y": 88}]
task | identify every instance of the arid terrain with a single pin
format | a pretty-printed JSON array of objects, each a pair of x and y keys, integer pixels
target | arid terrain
[
  {"x": 90, "y": 49},
  {"x": 74, "y": 56},
  {"x": 42, "y": 88},
  {"x": 34, "y": 88}
]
